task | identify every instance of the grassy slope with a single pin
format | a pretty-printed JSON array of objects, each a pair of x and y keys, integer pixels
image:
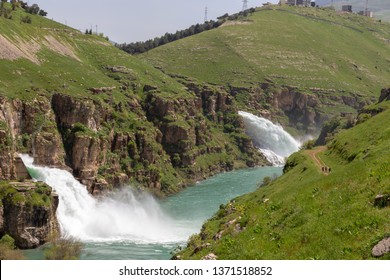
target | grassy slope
[
  {"x": 303, "y": 47},
  {"x": 64, "y": 74},
  {"x": 308, "y": 215}
]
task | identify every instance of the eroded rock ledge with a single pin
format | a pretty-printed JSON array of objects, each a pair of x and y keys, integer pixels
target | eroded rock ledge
[
  {"x": 161, "y": 142},
  {"x": 28, "y": 213}
]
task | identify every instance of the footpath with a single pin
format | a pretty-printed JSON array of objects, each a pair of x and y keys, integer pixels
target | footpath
[{"x": 318, "y": 162}]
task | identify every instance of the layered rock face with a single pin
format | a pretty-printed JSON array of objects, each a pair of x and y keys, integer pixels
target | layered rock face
[
  {"x": 304, "y": 111},
  {"x": 28, "y": 214},
  {"x": 159, "y": 142},
  {"x": 28, "y": 127},
  {"x": 385, "y": 95},
  {"x": 185, "y": 127}
]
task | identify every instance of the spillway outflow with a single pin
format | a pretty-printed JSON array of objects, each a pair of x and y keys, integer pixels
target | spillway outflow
[
  {"x": 272, "y": 140},
  {"x": 127, "y": 215}
]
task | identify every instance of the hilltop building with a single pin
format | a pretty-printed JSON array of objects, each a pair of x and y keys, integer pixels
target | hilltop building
[
  {"x": 305, "y": 3},
  {"x": 346, "y": 8},
  {"x": 366, "y": 13}
]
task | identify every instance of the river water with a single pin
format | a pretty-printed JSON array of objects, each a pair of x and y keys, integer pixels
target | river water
[
  {"x": 133, "y": 225},
  {"x": 184, "y": 212}
]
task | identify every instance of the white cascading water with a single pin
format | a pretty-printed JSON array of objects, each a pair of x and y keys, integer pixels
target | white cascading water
[
  {"x": 272, "y": 140},
  {"x": 125, "y": 216}
]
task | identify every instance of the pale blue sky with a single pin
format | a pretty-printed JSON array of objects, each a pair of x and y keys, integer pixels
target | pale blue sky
[{"x": 131, "y": 20}]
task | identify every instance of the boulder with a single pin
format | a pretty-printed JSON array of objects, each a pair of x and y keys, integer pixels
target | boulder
[
  {"x": 29, "y": 225},
  {"x": 381, "y": 248},
  {"x": 210, "y": 257},
  {"x": 382, "y": 201},
  {"x": 385, "y": 95}
]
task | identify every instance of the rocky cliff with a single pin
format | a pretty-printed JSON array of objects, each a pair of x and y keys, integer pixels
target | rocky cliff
[
  {"x": 304, "y": 111},
  {"x": 28, "y": 213},
  {"x": 161, "y": 143}
]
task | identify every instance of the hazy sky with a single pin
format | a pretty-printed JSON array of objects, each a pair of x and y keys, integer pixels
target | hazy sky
[{"x": 138, "y": 20}]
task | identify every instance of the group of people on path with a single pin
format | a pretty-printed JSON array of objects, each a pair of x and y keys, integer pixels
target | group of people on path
[{"x": 326, "y": 169}]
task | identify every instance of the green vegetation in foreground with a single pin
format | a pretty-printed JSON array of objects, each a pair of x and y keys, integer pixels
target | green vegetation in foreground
[
  {"x": 34, "y": 195},
  {"x": 63, "y": 249},
  {"x": 307, "y": 215},
  {"x": 302, "y": 47},
  {"x": 8, "y": 250}
]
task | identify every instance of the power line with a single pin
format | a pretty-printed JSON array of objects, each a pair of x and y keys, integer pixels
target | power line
[{"x": 245, "y": 5}]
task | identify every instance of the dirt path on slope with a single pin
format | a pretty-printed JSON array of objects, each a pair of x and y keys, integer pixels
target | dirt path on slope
[{"x": 318, "y": 162}]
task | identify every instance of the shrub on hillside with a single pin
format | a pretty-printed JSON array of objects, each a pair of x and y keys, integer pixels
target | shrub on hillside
[
  {"x": 7, "y": 249},
  {"x": 26, "y": 19},
  {"x": 64, "y": 249}
]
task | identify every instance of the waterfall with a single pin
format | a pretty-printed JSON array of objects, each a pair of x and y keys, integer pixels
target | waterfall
[
  {"x": 126, "y": 215},
  {"x": 272, "y": 140}
]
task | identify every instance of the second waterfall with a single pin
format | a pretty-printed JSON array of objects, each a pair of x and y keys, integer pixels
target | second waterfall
[{"x": 272, "y": 140}]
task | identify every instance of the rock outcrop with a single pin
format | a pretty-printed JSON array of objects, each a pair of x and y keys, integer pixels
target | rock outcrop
[
  {"x": 210, "y": 257},
  {"x": 29, "y": 126},
  {"x": 28, "y": 214},
  {"x": 382, "y": 248},
  {"x": 385, "y": 95},
  {"x": 185, "y": 128},
  {"x": 299, "y": 107},
  {"x": 304, "y": 110},
  {"x": 161, "y": 142}
]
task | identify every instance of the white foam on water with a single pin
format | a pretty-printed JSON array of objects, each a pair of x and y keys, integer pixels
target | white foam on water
[
  {"x": 126, "y": 215},
  {"x": 272, "y": 140}
]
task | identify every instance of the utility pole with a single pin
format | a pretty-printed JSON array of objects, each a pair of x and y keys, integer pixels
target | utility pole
[
  {"x": 366, "y": 10},
  {"x": 245, "y": 5},
  {"x": 206, "y": 19}
]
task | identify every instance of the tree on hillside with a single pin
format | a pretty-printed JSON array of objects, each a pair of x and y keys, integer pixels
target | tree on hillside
[
  {"x": 34, "y": 9},
  {"x": 23, "y": 5},
  {"x": 42, "y": 13},
  {"x": 2, "y": 5},
  {"x": 6, "y": 12},
  {"x": 26, "y": 19},
  {"x": 14, "y": 4},
  {"x": 141, "y": 47}
]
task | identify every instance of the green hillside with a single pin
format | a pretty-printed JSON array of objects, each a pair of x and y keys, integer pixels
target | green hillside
[
  {"x": 49, "y": 56},
  {"x": 306, "y": 214},
  {"x": 314, "y": 51}
]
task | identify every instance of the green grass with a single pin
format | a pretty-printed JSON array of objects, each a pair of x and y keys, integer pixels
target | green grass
[
  {"x": 302, "y": 47},
  {"x": 56, "y": 72},
  {"x": 307, "y": 215}
]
